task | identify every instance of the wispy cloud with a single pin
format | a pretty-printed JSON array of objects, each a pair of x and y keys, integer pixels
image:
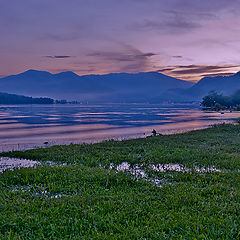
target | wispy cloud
[
  {"x": 177, "y": 56},
  {"x": 195, "y": 72},
  {"x": 183, "y": 31},
  {"x": 128, "y": 59},
  {"x": 133, "y": 55},
  {"x": 217, "y": 74},
  {"x": 174, "y": 26},
  {"x": 202, "y": 69},
  {"x": 59, "y": 56},
  {"x": 173, "y": 22}
]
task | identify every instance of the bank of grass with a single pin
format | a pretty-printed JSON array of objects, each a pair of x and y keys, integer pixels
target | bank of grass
[{"x": 84, "y": 201}]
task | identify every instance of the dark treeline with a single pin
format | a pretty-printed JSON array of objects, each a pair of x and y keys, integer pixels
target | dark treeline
[
  {"x": 217, "y": 102},
  {"x": 6, "y": 98}
]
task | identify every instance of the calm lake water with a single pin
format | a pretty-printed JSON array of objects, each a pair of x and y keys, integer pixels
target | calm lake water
[{"x": 28, "y": 126}]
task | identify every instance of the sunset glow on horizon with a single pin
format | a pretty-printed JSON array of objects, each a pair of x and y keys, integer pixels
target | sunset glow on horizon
[{"x": 183, "y": 39}]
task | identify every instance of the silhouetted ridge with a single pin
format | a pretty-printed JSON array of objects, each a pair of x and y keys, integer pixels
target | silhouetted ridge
[
  {"x": 66, "y": 74},
  {"x": 6, "y": 98},
  {"x": 114, "y": 87}
]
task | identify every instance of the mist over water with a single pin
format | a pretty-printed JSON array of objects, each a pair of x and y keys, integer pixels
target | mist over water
[{"x": 28, "y": 126}]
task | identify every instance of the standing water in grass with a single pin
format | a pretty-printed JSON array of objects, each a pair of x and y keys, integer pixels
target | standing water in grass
[{"x": 27, "y": 126}]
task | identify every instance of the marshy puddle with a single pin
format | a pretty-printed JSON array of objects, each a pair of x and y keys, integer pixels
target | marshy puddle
[
  {"x": 38, "y": 192},
  {"x": 138, "y": 171},
  {"x": 7, "y": 163},
  {"x": 180, "y": 168}
]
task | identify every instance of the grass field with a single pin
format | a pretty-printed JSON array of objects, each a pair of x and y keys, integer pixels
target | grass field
[{"x": 80, "y": 197}]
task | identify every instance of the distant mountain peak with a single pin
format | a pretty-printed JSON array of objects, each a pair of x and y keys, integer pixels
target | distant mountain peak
[
  {"x": 67, "y": 74},
  {"x": 237, "y": 74},
  {"x": 31, "y": 70},
  {"x": 33, "y": 73},
  {"x": 113, "y": 87}
]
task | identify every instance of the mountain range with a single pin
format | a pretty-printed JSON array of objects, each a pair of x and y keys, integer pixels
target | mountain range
[{"x": 115, "y": 87}]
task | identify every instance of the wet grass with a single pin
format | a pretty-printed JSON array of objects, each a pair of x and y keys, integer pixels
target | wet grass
[{"x": 84, "y": 201}]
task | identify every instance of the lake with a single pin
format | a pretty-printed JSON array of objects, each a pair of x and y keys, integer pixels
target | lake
[{"x": 29, "y": 126}]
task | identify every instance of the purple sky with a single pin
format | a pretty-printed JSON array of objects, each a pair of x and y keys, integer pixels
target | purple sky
[{"x": 187, "y": 39}]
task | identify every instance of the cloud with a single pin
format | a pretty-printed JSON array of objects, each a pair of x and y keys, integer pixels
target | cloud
[
  {"x": 196, "y": 72},
  {"x": 59, "y": 56},
  {"x": 167, "y": 69},
  {"x": 202, "y": 69},
  {"x": 128, "y": 59},
  {"x": 204, "y": 31},
  {"x": 132, "y": 55},
  {"x": 172, "y": 26},
  {"x": 172, "y": 21},
  {"x": 217, "y": 74}
]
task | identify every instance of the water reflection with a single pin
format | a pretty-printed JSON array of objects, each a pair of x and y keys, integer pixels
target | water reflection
[
  {"x": 32, "y": 125},
  {"x": 12, "y": 163}
]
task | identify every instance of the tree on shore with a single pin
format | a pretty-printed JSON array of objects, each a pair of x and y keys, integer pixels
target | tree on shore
[{"x": 217, "y": 102}]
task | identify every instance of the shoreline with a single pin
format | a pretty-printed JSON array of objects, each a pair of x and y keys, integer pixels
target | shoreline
[
  {"x": 88, "y": 139},
  {"x": 167, "y": 180},
  {"x": 13, "y": 163}
]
